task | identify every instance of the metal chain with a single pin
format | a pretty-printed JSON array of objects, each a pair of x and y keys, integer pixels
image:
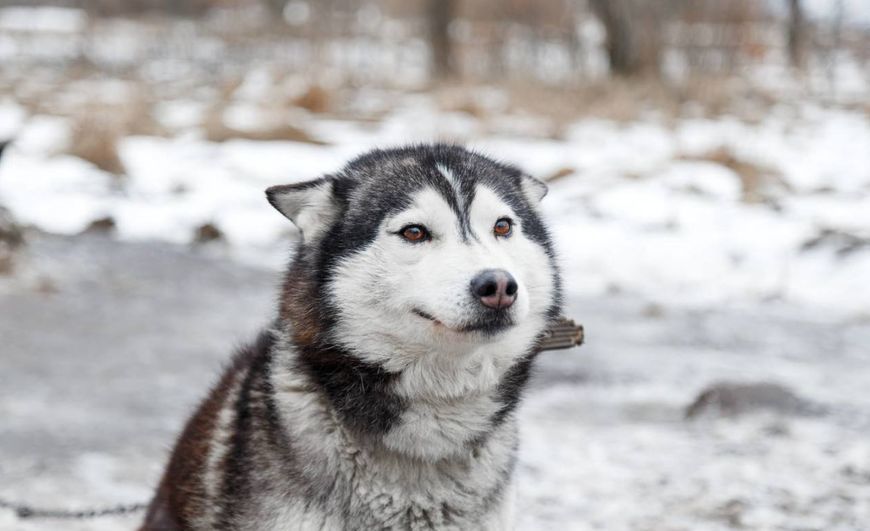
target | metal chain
[{"x": 27, "y": 511}]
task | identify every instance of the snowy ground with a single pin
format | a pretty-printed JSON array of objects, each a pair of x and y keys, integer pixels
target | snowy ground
[
  {"x": 765, "y": 202},
  {"x": 695, "y": 249},
  {"x": 108, "y": 346},
  {"x": 693, "y": 212},
  {"x": 683, "y": 273}
]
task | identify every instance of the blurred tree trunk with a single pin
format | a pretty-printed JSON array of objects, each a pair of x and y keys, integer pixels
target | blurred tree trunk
[
  {"x": 796, "y": 35},
  {"x": 835, "y": 47},
  {"x": 275, "y": 7},
  {"x": 632, "y": 35},
  {"x": 440, "y": 14}
]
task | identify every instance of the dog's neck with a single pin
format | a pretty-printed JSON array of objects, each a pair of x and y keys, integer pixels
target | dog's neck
[
  {"x": 422, "y": 456},
  {"x": 440, "y": 405},
  {"x": 379, "y": 410}
]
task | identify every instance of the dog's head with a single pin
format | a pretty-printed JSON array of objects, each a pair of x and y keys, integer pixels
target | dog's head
[{"x": 425, "y": 256}]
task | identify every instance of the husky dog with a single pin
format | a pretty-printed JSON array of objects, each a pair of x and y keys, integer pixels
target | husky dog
[{"x": 384, "y": 394}]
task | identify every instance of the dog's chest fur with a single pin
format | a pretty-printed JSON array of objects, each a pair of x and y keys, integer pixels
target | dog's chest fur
[
  {"x": 375, "y": 487},
  {"x": 278, "y": 457}
]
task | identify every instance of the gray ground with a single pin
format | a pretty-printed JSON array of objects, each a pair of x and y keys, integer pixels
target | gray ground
[{"x": 106, "y": 347}]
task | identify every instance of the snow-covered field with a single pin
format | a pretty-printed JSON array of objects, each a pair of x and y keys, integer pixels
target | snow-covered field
[
  {"x": 99, "y": 373},
  {"x": 770, "y": 202},
  {"x": 697, "y": 212},
  {"x": 644, "y": 215},
  {"x": 695, "y": 248}
]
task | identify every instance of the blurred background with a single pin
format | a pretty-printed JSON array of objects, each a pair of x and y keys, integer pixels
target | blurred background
[{"x": 709, "y": 168}]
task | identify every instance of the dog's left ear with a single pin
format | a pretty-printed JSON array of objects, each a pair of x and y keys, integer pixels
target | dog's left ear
[
  {"x": 311, "y": 205},
  {"x": 534, "y": 189}
]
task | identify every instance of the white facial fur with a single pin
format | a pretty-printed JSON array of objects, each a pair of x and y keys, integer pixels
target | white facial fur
[{"x": 378, "y": 288}]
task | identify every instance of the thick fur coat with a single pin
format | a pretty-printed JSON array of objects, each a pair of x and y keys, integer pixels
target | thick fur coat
[{"x": 383, "y": 396}]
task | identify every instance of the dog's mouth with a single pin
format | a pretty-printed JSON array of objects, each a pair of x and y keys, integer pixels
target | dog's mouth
[
  {"x": 428, "y": 317},
  {"x": 490, "y": 324}
]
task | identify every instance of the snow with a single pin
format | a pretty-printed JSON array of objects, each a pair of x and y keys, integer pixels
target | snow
[
  {"x": 43, "y": 19},
  {"x": 604, "y": 443},
  {"x": 12, "y": 117},
  {"x": 43, "y": 135},
  {"x": 690, "y": 476},
  {"x": 62, "y": 194},
  {"x": 643, "y": 211},
  {"x": 716, "y": 227},
  {"x": 854, "y": 12},
  {"x": 179, "y": 114}
]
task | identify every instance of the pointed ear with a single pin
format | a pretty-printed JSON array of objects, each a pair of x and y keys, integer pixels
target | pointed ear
[
  {"x": 311, "y": 205},
  {"x": 534, "y": 189}
]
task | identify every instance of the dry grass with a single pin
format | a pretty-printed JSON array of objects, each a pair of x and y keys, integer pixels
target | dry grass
[
  {"x": 614, "y": 100},
  {"x": 617, "y": 99},
  {"x": 460, "y": 99},
  {"x": 625, "y": 100},
  {"x": 97, "y": 127},
  {"x": 97, "y": 130},
  {"x": 755, "y": 180},
  {"x": 217, "y": 131},
  {"x": 97, "y": 142},
  {"x": 316, "y": 99},
  {"x": 561, "y": 173}
]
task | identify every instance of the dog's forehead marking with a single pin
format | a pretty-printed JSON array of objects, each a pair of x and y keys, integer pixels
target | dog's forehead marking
[
  {"x": 461, "y": 197},
  {"x": 397, "y": 194},
  {"x": 447, "y": 173}
]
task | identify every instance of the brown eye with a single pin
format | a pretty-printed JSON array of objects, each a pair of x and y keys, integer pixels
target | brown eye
[
  {"x": 415, "y": 233},
  {"x": 503, "y": 227}
]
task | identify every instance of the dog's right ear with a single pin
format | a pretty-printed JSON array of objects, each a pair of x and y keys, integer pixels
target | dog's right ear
[
  {"x": 534, "y": 189},
  {"x": 311, "y": 205}
]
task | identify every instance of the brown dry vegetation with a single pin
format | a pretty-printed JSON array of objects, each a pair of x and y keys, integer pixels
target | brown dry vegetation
[
  {"x": 460, "y": 98},
  {"x": 217, "y": 131},
  {"x": 97, "y": 142},
  {"x": 755, "y": 180},
  {"x": 96, "y": 126},
  {"x": 97, "y": 129},
  {"x": 616, "y": 99},
  {"x": 316, "y": 99},
  {"x": 561, "y": 173}
]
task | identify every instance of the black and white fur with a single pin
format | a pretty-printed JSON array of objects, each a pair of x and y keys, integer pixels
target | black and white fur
[{"x": 383, "y": 396}]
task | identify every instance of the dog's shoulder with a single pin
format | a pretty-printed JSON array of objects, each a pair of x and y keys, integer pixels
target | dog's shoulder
[{"x": 194, "y": 476}]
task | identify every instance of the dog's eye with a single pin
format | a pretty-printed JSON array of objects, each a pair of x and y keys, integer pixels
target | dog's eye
[
  {"x": 415, "y": 233},
  {"x": 503, "y": 227}
]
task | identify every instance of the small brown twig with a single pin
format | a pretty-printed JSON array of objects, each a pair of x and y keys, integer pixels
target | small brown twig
[{"x": 564, "y": 334}]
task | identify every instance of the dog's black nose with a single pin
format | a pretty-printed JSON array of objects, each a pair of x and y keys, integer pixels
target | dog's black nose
[{"x": 496, "y": 288}]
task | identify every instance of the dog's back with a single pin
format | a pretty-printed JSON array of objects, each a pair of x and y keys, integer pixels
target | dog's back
[{"x": 191, "y": 492}]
